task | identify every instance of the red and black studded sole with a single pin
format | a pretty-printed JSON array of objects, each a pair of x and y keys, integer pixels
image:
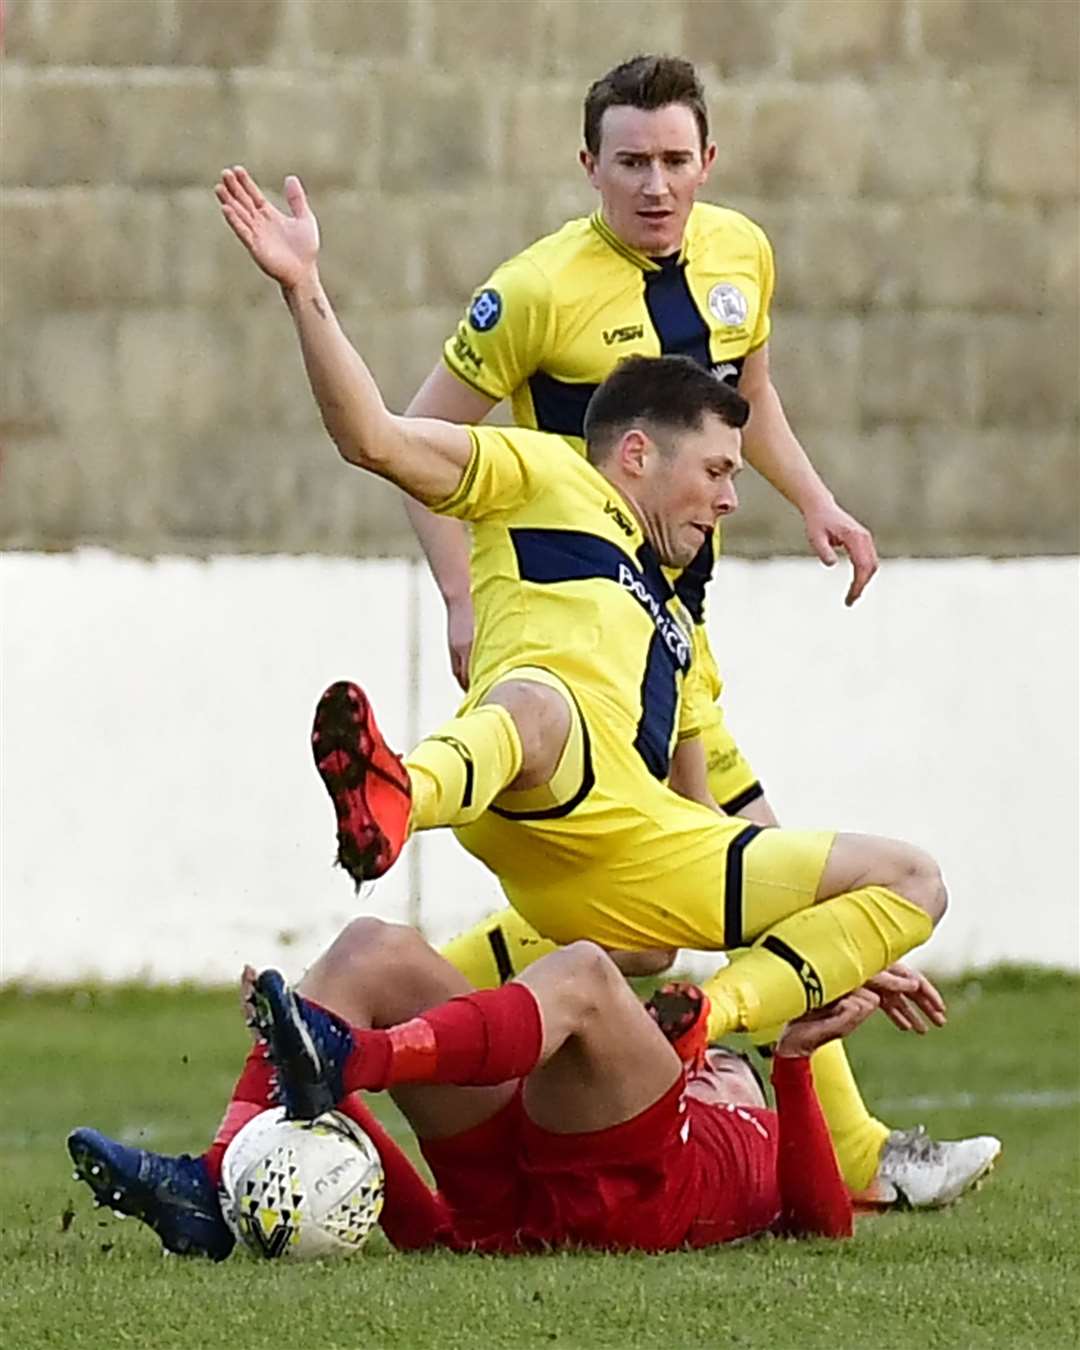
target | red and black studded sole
[
  {"x": 681, "y": 1011},
  {"x": 367, "y": 782}
]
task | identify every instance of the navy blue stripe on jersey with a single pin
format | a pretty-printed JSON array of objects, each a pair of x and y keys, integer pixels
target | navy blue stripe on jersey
[
  {"x": 659, "y": 696},
  {"x": 690, "y": 584},
  {"x": 546, "y": 556},
  {"x": 559, "y": 405},
  {"x": 677, "y": 320},
  {"x": 659, "y": 702}
]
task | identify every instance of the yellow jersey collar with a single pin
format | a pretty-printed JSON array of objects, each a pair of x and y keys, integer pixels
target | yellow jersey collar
[{"x": 642, "y": 260}]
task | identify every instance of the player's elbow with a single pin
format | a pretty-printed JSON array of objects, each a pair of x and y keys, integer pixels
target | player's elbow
[{"x": 355, "y": 443}]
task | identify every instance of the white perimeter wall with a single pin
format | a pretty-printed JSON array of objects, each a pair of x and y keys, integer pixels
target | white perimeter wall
[{"x": 162, "y": 818}]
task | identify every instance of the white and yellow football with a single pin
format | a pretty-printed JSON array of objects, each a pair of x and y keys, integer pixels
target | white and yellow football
[{"x": 301, "y": 1190}]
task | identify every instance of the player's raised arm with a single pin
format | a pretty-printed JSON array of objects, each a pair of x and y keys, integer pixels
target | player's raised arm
[
  {"x": 446, "y": 542},
  {"x": 424, "y": 457}
]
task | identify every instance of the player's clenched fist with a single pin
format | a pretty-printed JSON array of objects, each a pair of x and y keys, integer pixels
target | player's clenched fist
[{"x": 284, "y": 246}]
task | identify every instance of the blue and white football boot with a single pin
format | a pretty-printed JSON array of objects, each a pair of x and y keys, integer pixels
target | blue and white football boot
[
  {"x": 308, "y": 1046},
  {"x": 173, "y": 1196}
]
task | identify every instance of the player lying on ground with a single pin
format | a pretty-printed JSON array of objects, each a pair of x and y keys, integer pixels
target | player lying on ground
[
  {"x": 583, "y": 702},
  {"x": 551, "y": 1111}
]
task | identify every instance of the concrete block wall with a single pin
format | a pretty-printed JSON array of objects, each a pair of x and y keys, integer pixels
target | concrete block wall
[{"x": 915, "y": 162}]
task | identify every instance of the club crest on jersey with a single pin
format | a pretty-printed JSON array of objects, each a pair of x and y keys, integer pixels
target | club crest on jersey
[
  {"x": 485, "y": 310},
  {"x": 727, "y": 372},
  {"x": 728, "y": 304}
]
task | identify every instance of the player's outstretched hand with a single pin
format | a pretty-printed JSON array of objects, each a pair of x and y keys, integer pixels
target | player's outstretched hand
[
  {"x": 284, "y": 246},
  {"x": 829, "y": 528},
  {"x": 908, "y": 999},
  {"x": 815, "y": 1029}
]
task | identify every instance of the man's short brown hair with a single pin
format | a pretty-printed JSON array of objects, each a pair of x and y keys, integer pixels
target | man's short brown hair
[
  {"x": 673, "y": 392},
  {"x": 646, "y": 82}
]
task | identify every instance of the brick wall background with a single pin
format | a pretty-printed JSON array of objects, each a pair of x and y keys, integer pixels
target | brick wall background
[{"x": 915, "y": 162}]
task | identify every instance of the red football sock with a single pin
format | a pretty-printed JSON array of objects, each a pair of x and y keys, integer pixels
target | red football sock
[
  {"x": 485, "y": 1037},
  {"x": 251, "y": 1095},
  {"x": 413, "y": 1216},
  {"x": 813, "y": 1197}
]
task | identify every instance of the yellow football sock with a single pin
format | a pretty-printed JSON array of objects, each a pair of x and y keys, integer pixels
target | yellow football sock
[
  {"x": 812, "y": 957},
  {"x": 458, "y": 770},
  {"x": 496, "y": 949}
]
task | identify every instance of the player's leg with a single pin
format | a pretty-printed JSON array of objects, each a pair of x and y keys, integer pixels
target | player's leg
[
  {"x": 178, "y": 1196},
  {"x": 604, "y": 1059},
  {"x": 873, "y": 1158},
  {"x": 857, "y": 1135},
  {"x": 827, "y": 911},
  {"x": 572, "y": 997},
  {"x": 516, "y": 738},
  {"x": 379, "y": 975}
]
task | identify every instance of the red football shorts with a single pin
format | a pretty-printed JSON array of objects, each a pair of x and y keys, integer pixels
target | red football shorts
[{"x": 681, "y": 1173}]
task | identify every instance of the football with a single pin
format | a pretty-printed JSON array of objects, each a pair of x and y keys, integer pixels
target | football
[{"x": 301, "y": 1189}]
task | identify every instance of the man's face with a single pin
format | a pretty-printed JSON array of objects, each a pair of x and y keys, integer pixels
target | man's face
[
  {"x": 685, "y": 492},
  {"x": 725, "y": 1080},
  {"x": 647, "y": 171}
]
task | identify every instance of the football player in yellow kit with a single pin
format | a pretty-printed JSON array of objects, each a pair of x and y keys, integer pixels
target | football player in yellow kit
[
  {"x": 584, "y": 701},
  {"x": 651, "y": 271}
]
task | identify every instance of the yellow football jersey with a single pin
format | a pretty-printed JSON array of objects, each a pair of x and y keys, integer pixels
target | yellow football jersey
[
  {"x": 563, "y": 579},
  {"x": 551, "y": 323}
]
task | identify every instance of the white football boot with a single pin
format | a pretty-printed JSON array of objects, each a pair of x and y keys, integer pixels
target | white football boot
[{"x": 917, "y": 1172}]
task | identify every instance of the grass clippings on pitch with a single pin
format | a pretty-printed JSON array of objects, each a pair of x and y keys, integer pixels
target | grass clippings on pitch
[{"x": 999, "y": 1270}]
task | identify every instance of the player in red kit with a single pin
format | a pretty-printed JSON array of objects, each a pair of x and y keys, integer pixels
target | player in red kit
[{"x": 554, "y": 1111}]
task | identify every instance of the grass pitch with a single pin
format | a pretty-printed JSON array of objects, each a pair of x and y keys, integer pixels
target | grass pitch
[{"x": 156, "y": 1066}]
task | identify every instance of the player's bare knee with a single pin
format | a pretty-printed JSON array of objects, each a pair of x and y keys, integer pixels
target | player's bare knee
[
  {"x": 921, "y": 882},
  {"x": 366, "y": 944},
  {"x": 590, "y": 975},
  {"x": 542, "y": 719}
]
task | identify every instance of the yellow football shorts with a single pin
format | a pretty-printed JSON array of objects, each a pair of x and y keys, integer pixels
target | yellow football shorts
[{"x": 613, "y": 855}]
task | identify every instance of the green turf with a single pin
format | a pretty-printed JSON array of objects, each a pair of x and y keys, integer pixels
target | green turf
[{"x": 1000, "y": 1270}]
